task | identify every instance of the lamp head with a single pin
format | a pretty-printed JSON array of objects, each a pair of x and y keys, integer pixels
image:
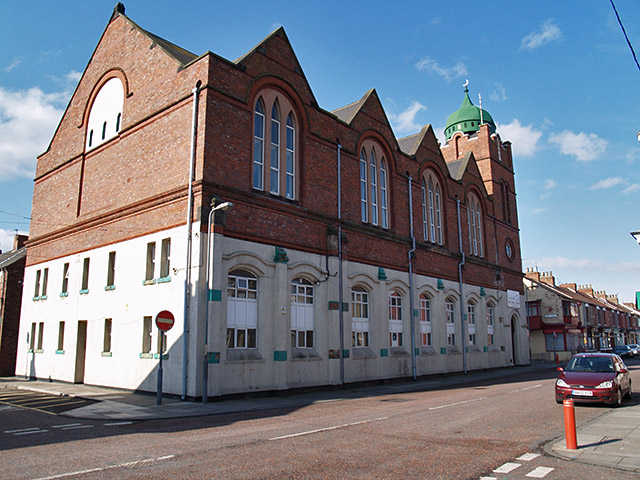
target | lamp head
[{"x": 636, "y": 236}]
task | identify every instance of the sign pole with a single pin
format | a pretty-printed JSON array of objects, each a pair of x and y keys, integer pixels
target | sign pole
[{"x": 159, "y": 394}]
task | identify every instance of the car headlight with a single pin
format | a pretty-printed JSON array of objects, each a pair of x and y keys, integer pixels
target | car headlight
[
  {"x": 607, "y": 384},
  {"x": 562, "y": 383}
]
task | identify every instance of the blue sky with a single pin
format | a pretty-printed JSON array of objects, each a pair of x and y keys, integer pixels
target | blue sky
[{"x": 558, "y": 78}]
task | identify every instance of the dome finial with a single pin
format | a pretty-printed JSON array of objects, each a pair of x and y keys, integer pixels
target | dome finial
[{"x": 466, "y": 84}]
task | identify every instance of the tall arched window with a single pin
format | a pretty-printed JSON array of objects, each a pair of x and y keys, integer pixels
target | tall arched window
[
  {"x": 105, "y": 116},
  {"x": 274, "y": 184},
  {"x": 258, "y": 145},
  {"x": 474, "y": 224},
  {"x": 275, "y": 162},
  {"x": 450, "y": 310},
  {"x": 302, "y": 324},
  {"x": 374, "y": 185},
  {"x": 395, "y": 319},
  {"x": 359, "y": 317},
  {"x": 471, "y": 321},
  {"x": 425, "y": 320},
  {"x": 242, "y": 310},
  {"x": 490, "y": 323},
  {"x": 431, "y": 209}
]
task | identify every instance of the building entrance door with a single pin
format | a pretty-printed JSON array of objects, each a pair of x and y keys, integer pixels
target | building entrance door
[{"x": 81, "y": 351}]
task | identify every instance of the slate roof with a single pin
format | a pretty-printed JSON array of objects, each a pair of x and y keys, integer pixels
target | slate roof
[{"x": 9, "y": 258}]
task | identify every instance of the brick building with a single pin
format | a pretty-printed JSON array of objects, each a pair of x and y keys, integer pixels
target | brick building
[
  {"x": 347, "y": 255},
  {"x": 12, "y": 265}
]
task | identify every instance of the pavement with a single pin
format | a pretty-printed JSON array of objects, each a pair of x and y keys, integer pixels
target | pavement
[{"x": 610, "y": 440}]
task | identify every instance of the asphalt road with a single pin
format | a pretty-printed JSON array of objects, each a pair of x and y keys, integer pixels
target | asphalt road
[{"x": 465, "y": 432}]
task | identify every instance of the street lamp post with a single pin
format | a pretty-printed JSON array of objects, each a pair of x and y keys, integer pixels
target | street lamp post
[{"x": 209, "y": 281}]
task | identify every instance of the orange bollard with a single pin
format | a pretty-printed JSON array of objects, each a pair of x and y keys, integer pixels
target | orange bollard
[{"x": 570, "y": 424}]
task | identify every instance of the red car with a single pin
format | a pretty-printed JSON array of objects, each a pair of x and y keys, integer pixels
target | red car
[{"x": 594, "y": 377}]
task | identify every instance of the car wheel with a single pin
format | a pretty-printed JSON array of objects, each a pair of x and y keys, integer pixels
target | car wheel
[
  {"x": 558, "y": 401},
  {"x": 618, "y": 398}
]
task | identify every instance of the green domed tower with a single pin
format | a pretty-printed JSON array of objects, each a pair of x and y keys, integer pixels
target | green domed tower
[{"x": 467, "y": 118}]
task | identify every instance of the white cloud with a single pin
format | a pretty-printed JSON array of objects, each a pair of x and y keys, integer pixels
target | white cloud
[
  {"x": 499, "y": 94},
  {"x": 585, "y": 147},
  {"x": 448, "y": 73},
  {"x": 28, "y": 119},
  {"x": 6, "y": 239},
  {"x": 587, "y": 263},
  {"x": 14, "y": 64},
  {"x": 536, "y": 211},
  {"x": 405, "y": 122},
  {"x": 634, "y": 187},
  {"x": 607, "y": 183},
  {"x": 548, "y": 32},
  {"x": 524, "y": 139},
  {"x": 549, "y": 184},
  {"x": 73, "y": 76}
]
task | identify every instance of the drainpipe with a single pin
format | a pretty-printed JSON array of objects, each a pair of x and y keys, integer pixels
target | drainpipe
[
  {"x": 460, "y": 265},
  {"x": 187, "y": 281},
  {"x": 411, "y": 299},
  {"x": 340, "y": 284}
]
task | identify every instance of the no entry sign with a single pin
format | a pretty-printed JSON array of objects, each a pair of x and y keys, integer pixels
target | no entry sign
[{"x": 165, "y": 320}]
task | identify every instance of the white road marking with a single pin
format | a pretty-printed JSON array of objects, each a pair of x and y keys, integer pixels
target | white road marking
[
  {"x": 507, "y": 467},
  {"x": 77, "y": 427},
  {"x": 526, "y": 388},
  {"x": 32, "y": 431},
  {"x": 309, "y": 432},
  {"x": 457, "y": 403},
  {"x": 22, "y": 430},
  {"x": 527, "y": 457},
  {"x": 109, "y": 467},
  {"x": 539, "y": 472},
  {"x": 487, "y": 478},
  {"x": 113, "y": 424},
  {"x": 66, "y": 425}
]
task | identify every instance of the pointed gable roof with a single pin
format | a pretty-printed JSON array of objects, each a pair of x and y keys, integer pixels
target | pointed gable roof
[
  {"x": 410, "y": 144},
  {"x": 348, "y": 112},
  {"x": 457, "y": 168},
  {"x": 179, "y": 54}
]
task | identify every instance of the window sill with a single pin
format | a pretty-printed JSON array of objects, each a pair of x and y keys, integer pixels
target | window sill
[
  {"x": 64, "y": 294},
  {"x": 427, "y": 350},
  {"x": 149, "y": 282},
  {"x": 362, "y": 353},
  {"x": 84, "y": 292},
  {"x": 108, "y": 288},
  {"x": 398, "y": 352},
  {"x": 106, "y": 354},
  {"x": 164, "y": 279},
  {"x": 165, "y": 356},
  {"x": 453, "y": 349},
  {"x": 59, "y": 352}
]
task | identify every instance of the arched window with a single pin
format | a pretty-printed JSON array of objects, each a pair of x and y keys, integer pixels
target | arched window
[
  {"x": 359, "y": 317},
  {"x": 395, "y": 319},
  {"x": 274, "y": 184},
  {"x": 374, "y": 185},
  {"x": 242, "y": 310},
  {"x": 490, "y": 323},
  {"x": 105, "y": 115},
  {"x": 450, "y": 311},
  {"x": 471, "y": 322},
  {"x": 302, "y": 325},
  {"x": 474, "y": 224},
  {"x": 258, "y": 145},
  {"x": 431, "y": 209},
  {"x": 275, "y": 161},
  {"x": 425, "y": 320}
]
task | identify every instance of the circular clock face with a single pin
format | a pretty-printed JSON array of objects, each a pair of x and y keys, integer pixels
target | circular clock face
[{"x": 509, "y": 250}]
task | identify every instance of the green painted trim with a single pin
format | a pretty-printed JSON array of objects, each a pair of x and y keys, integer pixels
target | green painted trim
[
  {"x": 485, "y": 349},
  {"x": 43, "y": 297},
  {"x": 345, "y": 306},
  {"x": 151, "y": 281},
  {"x": 164, "y": 279},
  {"x": 443, "y": 350},
  {"x": 345, "y": 353},
  {"x": 59, "y": 352},
  {"x": 64, "y": 294},
  {"x": 108, "y": 288},
  {"x": 280, "y": 256},
  {"x": 381, "y": 274},
  {"x": 280, "y": 356},
  {"x": 384, "y": 352},
  {"x": 482, "y": 292},
  {"x": 35, "y": 299},
  {"x": 31, "y": 350},
  {"x": 416, "y": 312},
  {"x": 215, "y": 295},
  {"x": 84, "y": 292},
  {"x": 213, "y": 357},
  {"x": 38, "y": 350},
  {"x": 146, "y": 355},
  {"x": 416, "y": 351},
  {"x": 440, "y": 284},
  {"x": 165, "y": 356},
  {"x": 466, "y": 349},
  {"x": 106, "y": 354}
]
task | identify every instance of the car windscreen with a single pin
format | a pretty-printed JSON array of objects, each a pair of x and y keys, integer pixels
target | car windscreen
[{"x": 590, "y": 364}]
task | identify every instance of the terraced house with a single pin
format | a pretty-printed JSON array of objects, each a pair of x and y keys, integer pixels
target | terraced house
[{"x": 295, "y": 247}]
